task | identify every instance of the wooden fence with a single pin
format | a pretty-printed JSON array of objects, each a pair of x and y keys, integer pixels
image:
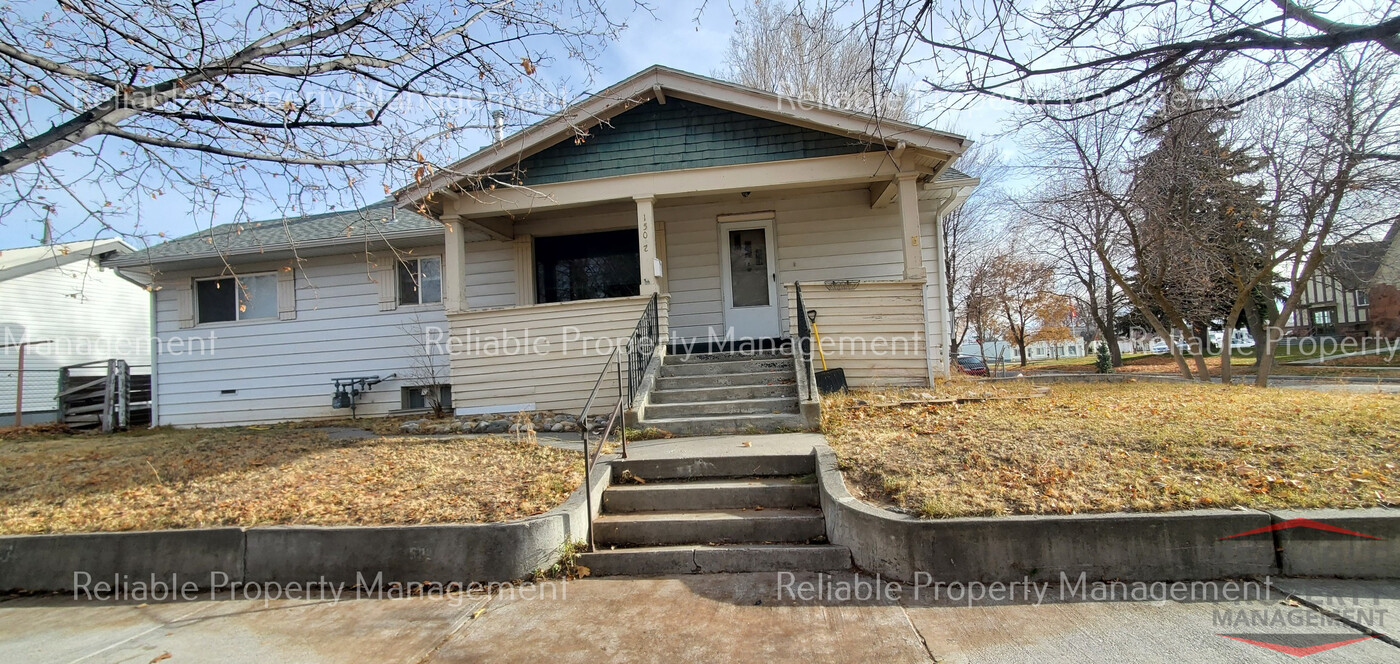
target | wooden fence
[{"x": 103, "y": 394}]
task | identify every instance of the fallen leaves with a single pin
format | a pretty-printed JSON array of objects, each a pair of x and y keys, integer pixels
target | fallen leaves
[
  {"x": 1126, "y": 447},
  {"x": 165, "y": 478}
]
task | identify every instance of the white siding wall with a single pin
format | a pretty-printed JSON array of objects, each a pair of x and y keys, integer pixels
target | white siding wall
[
  {"x": 90, "y": 312},
  {"x": 282, "y": 369},
  {"x": 819, "y": 236}
]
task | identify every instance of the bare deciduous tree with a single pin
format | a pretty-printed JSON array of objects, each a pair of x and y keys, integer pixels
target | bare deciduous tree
[
  {"x": 806, "y": 53},
  {"x": 281, "y": 101},
  {"x": 1064, "y": 55}
]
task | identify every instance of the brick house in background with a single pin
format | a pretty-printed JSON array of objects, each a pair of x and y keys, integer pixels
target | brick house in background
[{"x": 1356, "y": 291}]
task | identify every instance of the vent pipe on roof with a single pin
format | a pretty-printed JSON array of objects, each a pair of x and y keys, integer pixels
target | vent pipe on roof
[{"x": 499, "y": 120}]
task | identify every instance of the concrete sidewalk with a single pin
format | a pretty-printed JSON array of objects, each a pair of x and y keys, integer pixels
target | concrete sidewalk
[{"x": 739, "y": 617}]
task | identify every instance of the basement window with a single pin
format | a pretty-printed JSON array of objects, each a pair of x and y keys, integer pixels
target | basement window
[
  {"x": 589, "y": 266},
  {"x": 419, "y": 397},
  {"x": 246, "y": 297}
]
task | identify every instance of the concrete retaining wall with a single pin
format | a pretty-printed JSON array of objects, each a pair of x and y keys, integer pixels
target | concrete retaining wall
[
  {"x": 1307, "y": 551},
  {"x": 1147, "y": 546},
  {"x": 477, "y": 552},
  {"x": 50, "y": 562}
]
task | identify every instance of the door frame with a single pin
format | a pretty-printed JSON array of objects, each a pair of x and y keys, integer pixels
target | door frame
[{"x": 726, "y": 296}]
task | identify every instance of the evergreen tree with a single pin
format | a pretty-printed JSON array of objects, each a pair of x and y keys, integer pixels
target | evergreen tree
[{"x": 1200, "y": 210}]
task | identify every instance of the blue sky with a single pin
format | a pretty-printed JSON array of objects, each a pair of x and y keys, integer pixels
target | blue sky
[{"x": 672, "y": 38}]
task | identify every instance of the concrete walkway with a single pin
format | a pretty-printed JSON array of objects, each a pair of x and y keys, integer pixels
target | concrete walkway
[{"x": 742, "y": 617}]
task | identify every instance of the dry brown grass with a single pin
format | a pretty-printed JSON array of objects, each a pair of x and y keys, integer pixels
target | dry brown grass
[
  {"x": 1124, "y": 447},
  {"x": 1373, "y": 360},
  {"x": 245, "y": 476}
]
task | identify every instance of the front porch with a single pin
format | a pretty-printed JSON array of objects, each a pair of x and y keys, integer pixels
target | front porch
[{"x": 723, "y": 266}]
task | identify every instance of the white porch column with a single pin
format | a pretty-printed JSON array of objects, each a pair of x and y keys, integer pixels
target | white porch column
[
  {"x": 909, "y": 218},
  {"x": 646, "y": 243},
  {"x": 454, "y": 264},
  {"x": 939, "y": 287}
]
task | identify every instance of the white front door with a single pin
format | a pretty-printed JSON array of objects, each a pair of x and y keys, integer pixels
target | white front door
[{"x": 748, "y": 272}]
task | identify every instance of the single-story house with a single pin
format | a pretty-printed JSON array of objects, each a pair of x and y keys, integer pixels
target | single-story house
[
  {"x": 506, "y": 279},
  {"x": 1355, "y": 292},
  {"x": 66, "y": 309},
  {"x": 1054, "y": 350}
]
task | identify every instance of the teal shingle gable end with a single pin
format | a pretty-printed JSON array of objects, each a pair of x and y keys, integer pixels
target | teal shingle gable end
[{"x": 678, "y": 135}]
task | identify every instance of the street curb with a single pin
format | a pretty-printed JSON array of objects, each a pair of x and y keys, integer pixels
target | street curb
[
  {"x": 1165, "y": 546},
  {"x": 446, "y": 553}
]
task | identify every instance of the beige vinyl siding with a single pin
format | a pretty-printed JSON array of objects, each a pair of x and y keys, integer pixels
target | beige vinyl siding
[
  {"x": 819, "y": 235},
  {"x": 91, "y": 313},
  {"x": 282, "y": 369},
  {"x": 554, "y": 355},
  {"x": 490, "y": 274},
  {"x": 874, "y": 332}
]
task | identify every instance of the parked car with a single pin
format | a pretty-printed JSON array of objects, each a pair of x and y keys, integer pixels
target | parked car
[
  {"x": 1159, "y": 347},
  {"x": 971, "y": 365}
]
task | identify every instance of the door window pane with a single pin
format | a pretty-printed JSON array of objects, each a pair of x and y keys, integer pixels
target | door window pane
[{"x": 748, "y": 267}]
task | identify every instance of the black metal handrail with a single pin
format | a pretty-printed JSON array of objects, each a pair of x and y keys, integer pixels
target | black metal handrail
[
  {"x": 804, "y": 338},
  {"x": 603, "y": 433},
  {"x": 642, "y": 346}
]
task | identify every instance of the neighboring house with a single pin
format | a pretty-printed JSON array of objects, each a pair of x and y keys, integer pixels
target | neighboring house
[
  {"x": 61, "y": 294},
  {"x": 1054, "y": 350},
  {"x": 1355, "y": 292},
  {"x": 514, "y": 287},
  {"x": 1124, "y": 346}
]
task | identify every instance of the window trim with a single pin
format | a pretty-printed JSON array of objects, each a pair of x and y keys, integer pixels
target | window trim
[
  {"x": 417, "y": 260},
  {"x": 237, "y": 314}
]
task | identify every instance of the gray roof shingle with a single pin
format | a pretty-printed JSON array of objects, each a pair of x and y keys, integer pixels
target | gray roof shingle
[{"x": 376, "y": 221}]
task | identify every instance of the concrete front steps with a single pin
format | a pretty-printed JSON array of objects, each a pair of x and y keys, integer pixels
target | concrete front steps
[
  {"x": 752, "y": 513},
  {"x": 718, "y": 393}
]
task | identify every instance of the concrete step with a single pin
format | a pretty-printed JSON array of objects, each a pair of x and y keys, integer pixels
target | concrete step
[
  {"x": 709, "y": 527},
  {"x": 691, "y": 559},
  {"x": 734, "y": 392},
  {"x": 705, "y": 358},
  {"x": 741, "y": 365},
  {"x": 737, "y": 466},
  {"x": 712, "y": 494},
  {"x": 775, "y": 405},
  {"x": 783, "y": 377},
  {"x": 714, "y": 425}
]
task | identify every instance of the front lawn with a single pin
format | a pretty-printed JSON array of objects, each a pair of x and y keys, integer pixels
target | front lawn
[
  {"x": 1134, "y": 446},
  {"x": 1135, "y": 363},
  {"x": 286, "y": 474}
]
